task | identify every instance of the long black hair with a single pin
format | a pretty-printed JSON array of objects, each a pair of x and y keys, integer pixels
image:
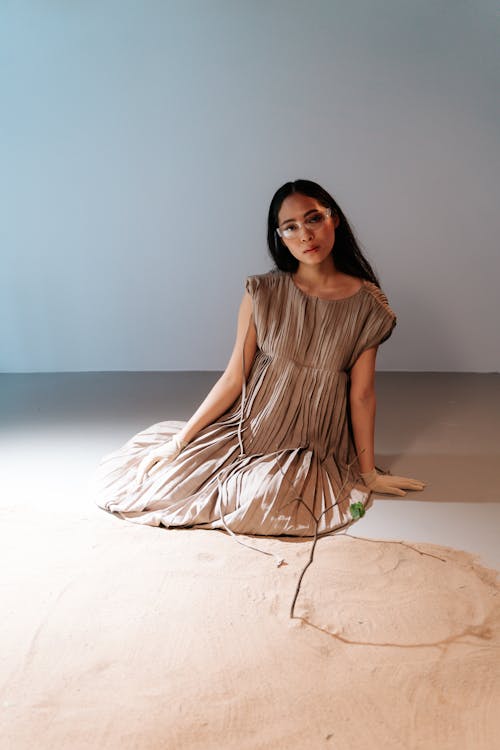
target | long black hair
[{"x": 347, "y": 253}]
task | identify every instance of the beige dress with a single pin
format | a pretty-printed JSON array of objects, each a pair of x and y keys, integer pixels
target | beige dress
[{"x": 281, "y": 459}]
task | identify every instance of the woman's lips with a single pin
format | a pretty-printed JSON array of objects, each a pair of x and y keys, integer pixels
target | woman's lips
[{"x": 311, "y": 249}]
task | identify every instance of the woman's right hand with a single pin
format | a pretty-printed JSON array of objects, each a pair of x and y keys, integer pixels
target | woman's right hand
[{"x": 167, "y": 452}]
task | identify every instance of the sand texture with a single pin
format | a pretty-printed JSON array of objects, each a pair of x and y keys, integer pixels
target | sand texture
[{"x": 122, "y": 636}]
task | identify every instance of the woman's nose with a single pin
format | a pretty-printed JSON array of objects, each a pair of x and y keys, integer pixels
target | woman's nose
[{"x": 306, "y": 233}]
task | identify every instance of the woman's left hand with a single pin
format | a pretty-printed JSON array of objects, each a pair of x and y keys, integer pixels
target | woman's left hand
[{"x": 389, "y": 484}]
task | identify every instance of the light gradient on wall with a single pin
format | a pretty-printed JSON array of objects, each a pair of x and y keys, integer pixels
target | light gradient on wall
[{"x": 142, "y": 143}]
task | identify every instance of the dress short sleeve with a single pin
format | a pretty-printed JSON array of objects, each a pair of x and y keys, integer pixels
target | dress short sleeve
[
  {"x": 252, "y": 284},
  {"x": 379, "y": 322}
]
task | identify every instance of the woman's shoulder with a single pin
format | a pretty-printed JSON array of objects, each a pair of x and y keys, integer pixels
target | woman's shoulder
[
  {"x": 378, "y": 296},
  {"x": 266, "y": 280}
]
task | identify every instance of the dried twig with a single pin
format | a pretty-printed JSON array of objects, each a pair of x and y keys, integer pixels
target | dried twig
[
  {"x": 337, "y": 531},
  {"x": 316, "y": 537}
]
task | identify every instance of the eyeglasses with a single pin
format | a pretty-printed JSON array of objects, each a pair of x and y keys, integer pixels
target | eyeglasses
[{"x": 313, "y": 221}]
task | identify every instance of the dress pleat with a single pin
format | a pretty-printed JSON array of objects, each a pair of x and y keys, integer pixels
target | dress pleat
[{"x": 277, "y": 461}]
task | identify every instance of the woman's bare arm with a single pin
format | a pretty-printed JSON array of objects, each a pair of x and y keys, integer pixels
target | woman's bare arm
[
  {"x": 228, "y": 387},
  {"x": 362, "y": 403}
]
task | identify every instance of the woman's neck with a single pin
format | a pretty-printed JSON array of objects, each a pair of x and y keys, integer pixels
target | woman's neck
[{"x": 321, "y": 276}]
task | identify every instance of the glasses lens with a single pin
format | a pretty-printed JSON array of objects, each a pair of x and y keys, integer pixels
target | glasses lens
[{"x": 314, "y": 221}]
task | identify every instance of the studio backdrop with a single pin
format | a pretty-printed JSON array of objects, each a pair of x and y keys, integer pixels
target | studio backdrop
[{"x": 142, "y": 143}]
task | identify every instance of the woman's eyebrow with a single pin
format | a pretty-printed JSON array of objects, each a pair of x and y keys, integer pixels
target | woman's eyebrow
[{"x": 311, "y": 211}]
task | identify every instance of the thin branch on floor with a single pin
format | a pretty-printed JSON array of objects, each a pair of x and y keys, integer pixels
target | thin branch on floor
[{"x": 337, "y": 531}]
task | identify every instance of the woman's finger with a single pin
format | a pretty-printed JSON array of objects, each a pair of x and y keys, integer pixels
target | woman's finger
[
  {"x": 144, "y": 468},
  {"x": 390, "y": 489},
  {"x": 410, "y": 484},
  {"x": 397, "y": 491}
]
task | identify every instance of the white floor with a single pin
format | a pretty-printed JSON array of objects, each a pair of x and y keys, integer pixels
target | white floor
[{"x": 443, "y": 428}]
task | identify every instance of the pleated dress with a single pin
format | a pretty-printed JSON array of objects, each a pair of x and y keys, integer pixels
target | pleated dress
[{"x": 282, "y": 459}]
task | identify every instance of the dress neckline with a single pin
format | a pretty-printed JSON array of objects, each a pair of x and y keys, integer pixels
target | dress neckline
[{"x": 323, "y": 299}]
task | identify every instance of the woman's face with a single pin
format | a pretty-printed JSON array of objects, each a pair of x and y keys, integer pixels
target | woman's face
[{"x": 310, "y": 244}]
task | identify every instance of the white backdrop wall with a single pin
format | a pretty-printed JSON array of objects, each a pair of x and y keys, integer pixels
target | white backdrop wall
[{"x": 142, "y": 142}]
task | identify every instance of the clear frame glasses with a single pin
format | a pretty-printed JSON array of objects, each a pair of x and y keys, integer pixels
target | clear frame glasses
[{"x": 316, "y": 220}]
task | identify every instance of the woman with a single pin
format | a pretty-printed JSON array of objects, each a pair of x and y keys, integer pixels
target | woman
[{"x": 284, "y": 441}]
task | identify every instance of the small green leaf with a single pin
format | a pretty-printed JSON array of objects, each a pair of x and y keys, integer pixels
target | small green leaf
[{"x": 357, "y": 510}]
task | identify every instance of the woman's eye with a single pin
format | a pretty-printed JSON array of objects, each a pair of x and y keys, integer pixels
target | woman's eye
[
  {"x": 290, "y": 228},
  {"x": 315, "y": 218}
]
